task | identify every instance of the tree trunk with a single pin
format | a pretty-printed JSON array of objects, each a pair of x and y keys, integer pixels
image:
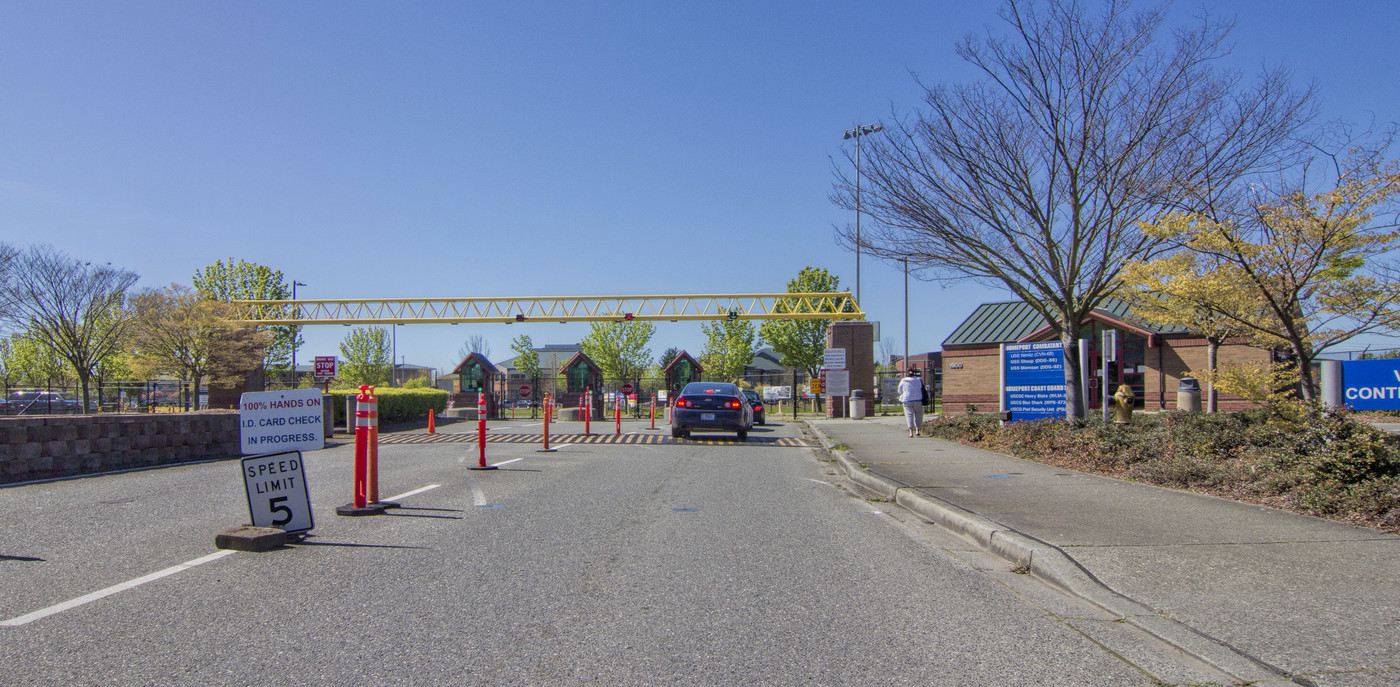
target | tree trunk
[{"x": 1074, "y": 401}]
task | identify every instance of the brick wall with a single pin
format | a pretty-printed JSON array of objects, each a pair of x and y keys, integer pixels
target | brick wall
[
  {"x": 64, "y": 446},
  {"x": 971, "y": 376}
]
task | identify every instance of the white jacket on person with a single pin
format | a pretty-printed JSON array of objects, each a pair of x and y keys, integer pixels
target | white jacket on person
[{"x": 910, "y": 389}]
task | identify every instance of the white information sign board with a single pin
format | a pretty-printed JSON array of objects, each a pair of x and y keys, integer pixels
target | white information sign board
[
  {"x": 288, "y": 420},
  {"x": 777, "y": 393},
  {"x": 277, "y": 494},
  {"x": 834, "y": 358},
  {"x": 838, "y": 383},
  {"x": 889, "y": 389}
]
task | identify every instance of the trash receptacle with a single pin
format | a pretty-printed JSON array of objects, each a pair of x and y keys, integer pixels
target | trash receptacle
[
  {"x": 1188, "y": 395},
  {"x": 857, "y": 404}
]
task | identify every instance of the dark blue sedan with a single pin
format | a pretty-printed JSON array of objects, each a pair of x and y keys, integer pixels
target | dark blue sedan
[{"x": 711, "y": 406}]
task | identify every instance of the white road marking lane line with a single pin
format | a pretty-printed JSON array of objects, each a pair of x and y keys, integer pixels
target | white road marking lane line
[
  {"x": 102, "y": 593},
  {"x": 508, "y": 462},
  {"x": 820, "y": 481},
  {"x": 478, "y": 496},
  {"x": 415, "y": 492}
]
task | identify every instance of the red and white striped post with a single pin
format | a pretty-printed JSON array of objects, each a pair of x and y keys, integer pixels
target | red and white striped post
[
  {"x": 481, "y": 432},
  {"x": 586, "y": 408},
  {"x": 617, "y": 413},
  {"x": 365, "y": 498},
  {"x": 373, "y": 461},
  {"x": 653, "y": 410},
  {"x": 548, "y": 411}
]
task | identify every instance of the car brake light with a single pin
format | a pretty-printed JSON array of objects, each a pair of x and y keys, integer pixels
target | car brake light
[
  {"x": 684, "y": 403},
  {"x": 732, "y": 404}
]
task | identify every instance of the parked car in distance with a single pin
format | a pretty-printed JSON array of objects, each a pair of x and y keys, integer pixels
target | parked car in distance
[
  {"x": 756, "y": 405},
  {"x": 40, "y": 403},
  {"x": 711, "y": 406}
]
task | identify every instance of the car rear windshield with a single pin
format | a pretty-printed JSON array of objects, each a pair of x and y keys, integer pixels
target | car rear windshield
[{"x": 698, "y": 388}]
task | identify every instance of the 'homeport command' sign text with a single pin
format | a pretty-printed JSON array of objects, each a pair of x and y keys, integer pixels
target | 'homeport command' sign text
[{"x": 1034, "y": 386}]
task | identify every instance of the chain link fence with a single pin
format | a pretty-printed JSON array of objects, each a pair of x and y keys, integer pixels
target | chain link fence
[{"x": 150, "y": 396}]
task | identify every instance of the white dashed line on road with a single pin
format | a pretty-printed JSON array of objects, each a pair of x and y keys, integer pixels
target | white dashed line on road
[{"x": 102, "y": 593}]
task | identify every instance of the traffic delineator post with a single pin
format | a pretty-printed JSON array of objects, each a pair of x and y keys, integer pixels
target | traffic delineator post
[
  {"x": 617, "y": 413},
  {"x": 481, "y": 432},
  {"x": 653, "y": 411},
  {"x": 548, "y": 411},
  {"x": 365, "y": 437},
  {"x": 586, "y": 409},
  {"x": 373, "y": 471}
]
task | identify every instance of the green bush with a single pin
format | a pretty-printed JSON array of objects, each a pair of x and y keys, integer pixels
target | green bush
[
  {"x": 395, "y": 405},
  {"x": 1335, "y": 467}
]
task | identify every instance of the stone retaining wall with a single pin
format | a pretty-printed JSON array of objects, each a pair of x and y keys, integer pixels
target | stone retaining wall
[{"x": 51, "y": 446}]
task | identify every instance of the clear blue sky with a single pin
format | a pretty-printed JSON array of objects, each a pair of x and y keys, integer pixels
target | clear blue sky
[{"x": 416, "y": 149}]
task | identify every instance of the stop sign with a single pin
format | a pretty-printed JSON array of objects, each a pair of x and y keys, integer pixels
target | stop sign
[
  {"x": 626, "y": 388},
  {"x": 524, "y": 389}
]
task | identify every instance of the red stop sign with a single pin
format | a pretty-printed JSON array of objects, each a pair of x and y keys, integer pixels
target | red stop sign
[
  {"x": 626, "y": 388},
  {"x": 524, "y": 389}
]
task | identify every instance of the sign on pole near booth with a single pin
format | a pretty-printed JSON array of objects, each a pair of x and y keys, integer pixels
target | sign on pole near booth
[
  {"x": 834, "y": 359},
  {"x": 325, "y": 366},
  {"x": 290, "y": 420},
  {"x": 277, "y": 494}
]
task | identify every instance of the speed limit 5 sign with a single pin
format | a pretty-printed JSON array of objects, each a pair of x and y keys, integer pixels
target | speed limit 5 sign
[{"x": 277, "y": 494}]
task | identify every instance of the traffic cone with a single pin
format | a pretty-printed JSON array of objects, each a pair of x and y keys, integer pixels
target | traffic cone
[{"x": 432, "y": 422}]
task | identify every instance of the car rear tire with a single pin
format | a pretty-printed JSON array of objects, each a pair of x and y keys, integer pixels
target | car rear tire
[
  {"x": 743, "y": 435},
  {"x": 676, "y": 433}
]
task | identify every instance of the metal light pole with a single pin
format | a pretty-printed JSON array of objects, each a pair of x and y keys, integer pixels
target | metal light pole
[
  {"x": 856, "y": 133},
  {"x": 906, "y": 314},
  {"x": 294, "y": 284}
]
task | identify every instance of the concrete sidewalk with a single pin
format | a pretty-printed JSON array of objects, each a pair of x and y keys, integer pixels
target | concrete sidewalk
[{"x": 1261, "y": 594}]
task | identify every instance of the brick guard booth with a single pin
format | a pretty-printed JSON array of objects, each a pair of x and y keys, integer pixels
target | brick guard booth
[{"x": 477, "y": 377}]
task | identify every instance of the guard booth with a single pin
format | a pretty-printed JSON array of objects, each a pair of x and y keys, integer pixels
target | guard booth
[
  {"x": 477, "y": 377},
  {"x": 580, "y": 375},
  {"x": 680, "y": 372}
]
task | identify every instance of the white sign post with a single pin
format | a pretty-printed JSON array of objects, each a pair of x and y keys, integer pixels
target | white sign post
[
  {"x": 277, "y": 494},
  {"x": 834, "y": 359},
  {"x": 289, "y": 420}
]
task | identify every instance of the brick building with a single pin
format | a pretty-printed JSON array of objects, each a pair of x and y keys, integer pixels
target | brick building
[{"x": 1151, "y": 360}]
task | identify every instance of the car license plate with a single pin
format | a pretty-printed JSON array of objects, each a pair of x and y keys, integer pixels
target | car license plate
[{"x": 707, "y": 417}]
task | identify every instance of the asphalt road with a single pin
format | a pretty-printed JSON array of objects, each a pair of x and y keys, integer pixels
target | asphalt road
[{"x": 606, "y": 564}]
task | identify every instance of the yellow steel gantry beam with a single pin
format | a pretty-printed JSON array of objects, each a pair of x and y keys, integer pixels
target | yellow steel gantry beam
[{"x": 749, "y": 306}]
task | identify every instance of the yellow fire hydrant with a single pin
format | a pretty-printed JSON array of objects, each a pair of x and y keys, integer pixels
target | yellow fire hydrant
[{"x": 1123, "y": 404}]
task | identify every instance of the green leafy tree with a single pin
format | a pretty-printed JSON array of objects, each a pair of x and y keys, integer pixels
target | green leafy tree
[
  {"x": 667, "y": 356},
  {"x": 801, "y": 342},
  {"x": 180, "y": 333},
  {"x": 75, "y": 308},
  {"x": 620, "y": 348},
  {"x": 729, "y": 347},
  {"x": 35, "y": 364},
  {"x": 367, "y": 357},
  {"x": 241, "y": 280},
  {"x": 1310, "y": 264},
  {"x": 527, "y": 360}
]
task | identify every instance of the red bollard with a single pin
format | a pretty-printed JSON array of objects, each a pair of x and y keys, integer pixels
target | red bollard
[
  {"x": 586, "y": 409},
  {"x": 653, "y": 411},
  {"x": 548, "y": 410},
  {"x": 366, "y": 457},
  {"x": 372, "y": 472},
  {"x": 617, "y": 413},
  {"x": 481, "y": 432}
]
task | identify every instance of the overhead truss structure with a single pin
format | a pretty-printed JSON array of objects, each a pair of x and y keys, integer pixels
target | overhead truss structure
[{"x": 746, "y": 306}]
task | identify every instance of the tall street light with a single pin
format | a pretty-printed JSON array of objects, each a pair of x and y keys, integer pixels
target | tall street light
[
  {"x": 294, "y": 284},
  {"x": 856, "y": 133}
]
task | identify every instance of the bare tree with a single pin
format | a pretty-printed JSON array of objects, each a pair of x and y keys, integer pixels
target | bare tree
[
  {"x": 475, "y": 343},
  {"x": 1035, "y": 177},
  {"x": 176, "y": 331},
  {"x": 75, "y": 308}
]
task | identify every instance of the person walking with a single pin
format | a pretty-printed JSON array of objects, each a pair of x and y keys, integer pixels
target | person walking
[{"x": 911, "y": 395}]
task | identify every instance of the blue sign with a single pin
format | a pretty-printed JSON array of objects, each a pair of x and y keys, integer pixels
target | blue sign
[
  {"x": 1371, "y": 384},
  {"x": 1035, "y": 380}
]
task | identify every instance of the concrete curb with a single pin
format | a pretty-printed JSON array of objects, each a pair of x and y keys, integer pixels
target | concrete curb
[{"x": 1051, "y": 564}]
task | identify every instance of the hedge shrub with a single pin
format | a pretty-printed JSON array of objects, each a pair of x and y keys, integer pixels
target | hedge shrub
[{"x": 395, "y": 405}]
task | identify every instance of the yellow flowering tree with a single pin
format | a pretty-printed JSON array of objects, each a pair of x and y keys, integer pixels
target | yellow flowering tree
[{"x": 1303, "y": 272}]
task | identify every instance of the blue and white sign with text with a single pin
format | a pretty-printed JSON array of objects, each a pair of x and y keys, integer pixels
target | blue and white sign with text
[
  {"x": 1371, "y": 384},
  {"x": 1035, "y": 380}
]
